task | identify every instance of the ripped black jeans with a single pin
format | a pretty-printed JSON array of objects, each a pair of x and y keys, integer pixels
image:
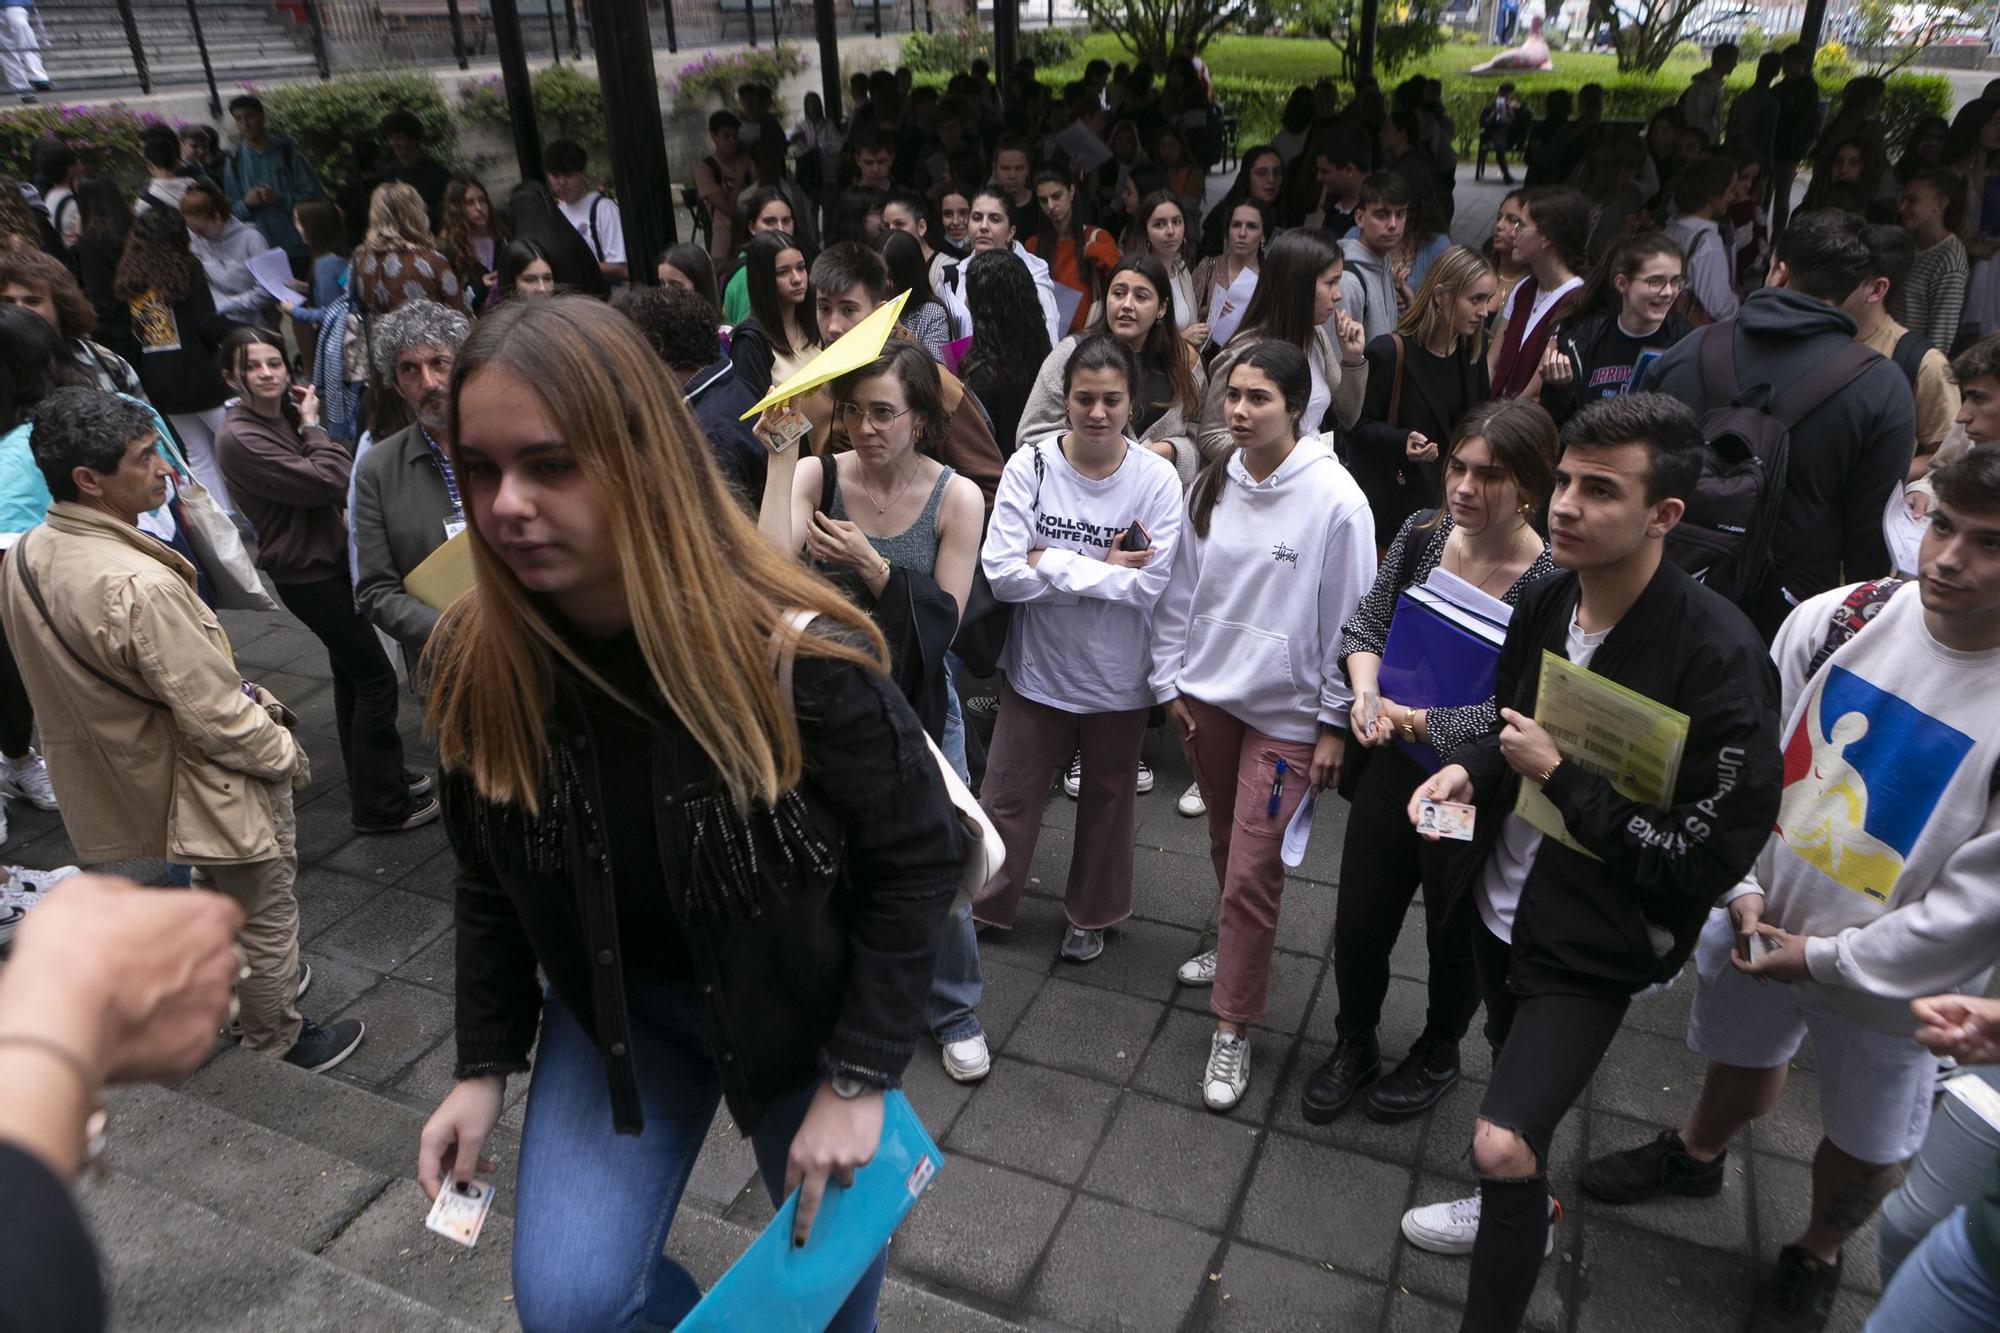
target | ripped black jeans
[{"x": 1546, "y": 1048}]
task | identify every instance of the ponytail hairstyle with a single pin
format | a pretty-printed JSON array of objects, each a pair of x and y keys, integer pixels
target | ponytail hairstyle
[
  {"x": 230, "y": 358},
  {"x": 1164, "y": 349},
  {"x": 1286, "y": 366},
  {"x": 1282, "y": 307},
  {"x": 1600, "y": 293}
]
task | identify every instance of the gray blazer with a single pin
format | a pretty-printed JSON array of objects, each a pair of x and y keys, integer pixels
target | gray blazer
[{"x": 398, "y": 518}]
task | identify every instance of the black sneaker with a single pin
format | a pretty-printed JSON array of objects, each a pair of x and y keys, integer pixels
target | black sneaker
[
  {"x": 1353, "y": 1066},
  {"x": 1663, "y": 1166},
  {"x": 1799, "y": 1295},
  {"x": 319, "y": 1049},
  {"x": 1426, "y": 1074},
  {"x": 423, "y": 813},
  {"x": 417, "y": 784}
]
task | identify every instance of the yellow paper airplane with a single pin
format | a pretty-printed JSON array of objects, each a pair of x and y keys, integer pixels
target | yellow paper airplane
[{"x": 851, "y": 351}]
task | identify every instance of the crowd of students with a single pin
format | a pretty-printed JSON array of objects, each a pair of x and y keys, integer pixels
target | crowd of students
[{"x": 1136, "y": 464}]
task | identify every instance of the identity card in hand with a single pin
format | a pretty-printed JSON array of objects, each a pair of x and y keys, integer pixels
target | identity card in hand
[
  {"x": 460, "y": 1211},
  {"x": 1446, "y": 819}
]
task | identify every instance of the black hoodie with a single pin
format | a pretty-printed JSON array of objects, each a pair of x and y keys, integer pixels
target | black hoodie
[{"x": 1847, "y": 455}]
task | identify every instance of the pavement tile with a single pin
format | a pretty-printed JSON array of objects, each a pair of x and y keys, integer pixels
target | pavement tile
[
  {"x": 387, "y": 857},
  {"x": 1140, "y": 958},
  {"x": 387, "y": 931},
  {"x": 1034, "y": 940},
  {"x": 435, "y": 878},
  {"x": 1048, "y": 867},
  {"x": 1443, "y": 1277},
  {"x": 1085, "y": 1030},
  {"x": 325, "y": 825},
  {"x": 1325, "y": 1204},
  {"x": 1174, "y": 887},
  {"x": 1404, "y": 1010},
  {"x": 327, "y": 897},
  {"x": 1168, "y": 1157},
  {"x": 1007, "y": 992},
  {"x": 404, "y": 1022},
  {"x": 727, "y": 1165},
  {"x": 937, "y": 1099},
  {"x": 1288, "y": 1000},
  {"x": 435, "y": 965},
  {"x": 390, "y": 1243},
  {"x": 1638, "y": 1280},
  {"x": 1305, "y": 919},
  {"x": 1116, "y": 1268},
  {"x": 1784, "y": 1202},
  {"x": 427, "y": 1081},
  {"x": 1262, "y": 1292},
  {"x": 979, "y": 1228},
  {"x": 336, "y": 983},
  {"x": 1415, "y": 1314},
  {"x": 1354, "y": 1131},
  {"x": 1722, "y": 1222},
  {"x": 1174, "y": 1064},
  {"x": 1042, "y": 1121},
  {"x": 1648, "y": 1077},
  {"x": 1664, "y": 1013},
  {"x": 1161, "y": 826},
  {"x": 1792, "y": 1127}
]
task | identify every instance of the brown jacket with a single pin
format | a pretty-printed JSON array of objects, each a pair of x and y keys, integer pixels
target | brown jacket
[
  {"x": 291, "y": 485},
  {"x": 190, "y": 780}
]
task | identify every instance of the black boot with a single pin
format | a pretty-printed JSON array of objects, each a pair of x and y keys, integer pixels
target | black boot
[
  {"x": 1353, "y": 1066},
  {"x": 1426, "y": 1074}
]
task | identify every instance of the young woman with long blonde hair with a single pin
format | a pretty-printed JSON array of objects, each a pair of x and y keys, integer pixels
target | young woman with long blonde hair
[{"x": 721, "y": 839}]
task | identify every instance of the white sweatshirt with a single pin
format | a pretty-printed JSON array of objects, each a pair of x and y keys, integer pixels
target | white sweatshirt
[
  {"x": 1079, "y": 637},
  {"x": 1251, "y": 620},
  {"x": 1887, "y": 847},
  {"x": 952, "y": 295}
]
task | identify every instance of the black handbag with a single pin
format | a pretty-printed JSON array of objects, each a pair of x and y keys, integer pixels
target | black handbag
[{"x": 982, "y": 630}]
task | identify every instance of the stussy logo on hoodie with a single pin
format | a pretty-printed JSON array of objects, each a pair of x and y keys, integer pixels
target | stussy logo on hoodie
[{"x": 1285, "y": 554}]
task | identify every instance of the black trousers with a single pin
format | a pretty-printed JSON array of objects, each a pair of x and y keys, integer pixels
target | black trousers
[
  {"x": 1381, "y": 864},
  {"x": 1546, "y": 1049},
  {"x": 1499, "y": 150},
  {"x": 17, "y": 715},
  {"x": 365, "y": 699}
]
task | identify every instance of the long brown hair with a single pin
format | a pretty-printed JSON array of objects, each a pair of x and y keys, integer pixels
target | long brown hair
[
  {"x": 1448, "y": 276},
  {"x": 1522, "y": 436},
  {"x": 455, "y": 234},
  {"x": 397, "y": 220},
  {"x": 1164, "y": 349},
  {"x": 707, "y": 592},
  {"x": 157, "y": 258}
]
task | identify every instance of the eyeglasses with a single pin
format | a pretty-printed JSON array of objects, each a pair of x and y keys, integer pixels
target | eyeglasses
[
  {"x": 878, "y": 414},
  {"x": 1658, "y": 283}
]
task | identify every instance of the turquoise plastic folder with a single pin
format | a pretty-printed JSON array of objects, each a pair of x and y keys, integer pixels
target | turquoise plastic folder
[{"x": 774, "y": 1288}]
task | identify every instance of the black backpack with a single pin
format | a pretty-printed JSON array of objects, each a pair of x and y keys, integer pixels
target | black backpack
[{"x": 1724, "y": 538}]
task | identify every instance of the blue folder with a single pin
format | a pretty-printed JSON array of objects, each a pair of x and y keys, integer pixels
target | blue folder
[
  {"x": 774, "y": 1288},
  {"x": 1438, "y": 655}
]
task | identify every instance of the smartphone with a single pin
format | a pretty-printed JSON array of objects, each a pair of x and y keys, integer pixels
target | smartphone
[{"x": 1136, "y": 538}]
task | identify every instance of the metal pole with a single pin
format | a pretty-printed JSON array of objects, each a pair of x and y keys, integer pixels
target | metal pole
[
  {"x": 138, "y": 50},
  {"x": 1052, "y": 13},
  {"x": 549, "y": 13},
  {"x": 207, "y": 69},
  {"x": 829, "y": 61},
  {"x": 569, "y": 18},
  {"x": 750, "y": 17},
  {"x": 878, "y": 18},
  {"x": 1811, "y": 23},
  {"x": 673, "y": 38},
  {"x": 775, "y": 34},
  {"x": 1364, "y": 50},
  {"x": 506, "y": 19},
  {"x": 929, "y": 22},
  {"x": 623, "y": 41},
  {"x": 318, "y": 39},
  {"x": 457, "y": 32},
  {"x": 1006, "y": 41}
]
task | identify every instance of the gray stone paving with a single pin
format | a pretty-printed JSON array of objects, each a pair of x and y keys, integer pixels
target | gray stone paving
[{"x": 1085, "y": 1186}]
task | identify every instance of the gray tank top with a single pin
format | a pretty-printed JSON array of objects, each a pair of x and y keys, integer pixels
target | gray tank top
[{"x": 915, "y": 548}]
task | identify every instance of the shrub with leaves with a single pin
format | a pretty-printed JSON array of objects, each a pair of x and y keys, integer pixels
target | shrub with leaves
[
  {"x": 568, "y": 105},
  {"x": 709, "y": 84},
  {"x": 958, "y": 42},
  {"x": 336, "y": 123},
  {"x": 105, "y": 137}
]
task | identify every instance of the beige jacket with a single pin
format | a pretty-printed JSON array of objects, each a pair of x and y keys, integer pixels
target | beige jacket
[{"x": 191, "y": 781}]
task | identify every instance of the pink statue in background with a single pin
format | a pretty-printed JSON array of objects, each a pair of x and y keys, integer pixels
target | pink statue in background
[{"x": 1532, "y": 53}]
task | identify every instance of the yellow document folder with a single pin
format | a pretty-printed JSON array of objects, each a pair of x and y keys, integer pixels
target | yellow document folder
[
  {"x": 444, "y": 576},
  {"x": 1600, "y": 726}
]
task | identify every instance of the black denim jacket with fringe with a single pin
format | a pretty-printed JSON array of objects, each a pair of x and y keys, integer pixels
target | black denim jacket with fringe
[{"x": 813, "y": 924}]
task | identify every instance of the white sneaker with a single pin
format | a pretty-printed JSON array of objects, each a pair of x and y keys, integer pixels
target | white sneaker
[
  {"x": 967, "y": 1061},
  {"x": 28, "y": 778},
  {"x": 1450, "y": 1228},
  {"x": 1145, "y": 778},
  {"x": 1190, "y": 803},
  {"x": 1228, "y": 1073},
  {"x": 1073, "y": 780},
  {"x": 21, "y": 891},
  {"x": 1198, "y": 970}
]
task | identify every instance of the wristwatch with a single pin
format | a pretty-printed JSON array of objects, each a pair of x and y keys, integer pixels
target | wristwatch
[{"x": 846, "y": 1086}]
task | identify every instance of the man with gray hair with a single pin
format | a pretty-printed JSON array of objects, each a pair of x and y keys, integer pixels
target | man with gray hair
[{"x": 406, "y": 501}]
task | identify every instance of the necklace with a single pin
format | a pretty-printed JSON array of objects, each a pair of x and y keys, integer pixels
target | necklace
[
  {"x": 883, "y": 506},
  {"x": 1465, "y": 544}
]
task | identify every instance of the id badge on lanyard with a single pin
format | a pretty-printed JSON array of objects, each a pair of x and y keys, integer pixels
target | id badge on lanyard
[{"x": 455, "y": 524}]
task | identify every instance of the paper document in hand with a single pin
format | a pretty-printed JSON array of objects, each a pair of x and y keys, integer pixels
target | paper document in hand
[
  {"x": 1600, "y": 726},
  {"x": 445, "y": 574},
  {"x": 1067, "y": 300},
  {"x": 1226, "y": 306},
  {"x": 850, "y": 351},
  {"x": 1460, "y": 593},
  {"x": 776, "y": 1288},
  {"x": 273, "y": 271}
]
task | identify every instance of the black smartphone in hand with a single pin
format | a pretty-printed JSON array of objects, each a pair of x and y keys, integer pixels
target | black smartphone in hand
[{"x": 1136, "y": 538}]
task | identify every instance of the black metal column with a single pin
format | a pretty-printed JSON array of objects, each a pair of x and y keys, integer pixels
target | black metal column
[
  {"x": 513, "y": 53},
  {"x": 624, "y": 44},
  {"x": 207, "y": 67},
  {"x": 1006, "y": 41},
  {"x": 457, "y": 32},
  {"x": 1811, "y": 22},
  {"x": 1364, "y": 48},
  {"x": 829, "y": 62},
  {"x": 673, "y": 38},
  {"x": 318, "y": 30},
  {"x": 139, "y": 66}
]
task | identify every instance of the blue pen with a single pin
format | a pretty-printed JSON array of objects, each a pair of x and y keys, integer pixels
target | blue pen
[{"x": 1277, "y": 789}]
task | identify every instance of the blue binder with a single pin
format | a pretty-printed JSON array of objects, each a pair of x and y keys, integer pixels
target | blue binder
[
  {"x": 774, "y": 1288},
  {"x": 1439, "y": 654}
]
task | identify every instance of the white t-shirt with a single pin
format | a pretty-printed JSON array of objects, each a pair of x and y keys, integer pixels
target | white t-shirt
[
  {"x": 1513, "y": 856},
  {"x": 606, "y": 238}
]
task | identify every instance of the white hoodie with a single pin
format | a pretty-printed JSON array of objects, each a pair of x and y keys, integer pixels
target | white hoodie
[
  {"x": 1251, "y": 619},
  {"x": 952, "y": 295},
  {"x": 1079, "y": 638},
  {"x": 1886, "y": 852}
]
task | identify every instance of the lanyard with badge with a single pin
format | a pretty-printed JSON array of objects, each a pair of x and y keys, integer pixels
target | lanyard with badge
[{"x": 455, "y": 524}]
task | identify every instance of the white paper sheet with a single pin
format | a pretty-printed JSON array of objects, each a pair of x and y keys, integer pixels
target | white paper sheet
[
  {"x": 1226, "y": 307},
  {"x": 273, "y": 271}
]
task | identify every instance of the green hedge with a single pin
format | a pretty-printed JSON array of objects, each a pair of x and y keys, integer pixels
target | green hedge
[
  {"x": 106, "y": 137},
  {"x": 709, "y": 84},
  {"x": 952, "y": 48},
  {"x": 568, "y": 105},
  {"x": 330, "y": 121}
]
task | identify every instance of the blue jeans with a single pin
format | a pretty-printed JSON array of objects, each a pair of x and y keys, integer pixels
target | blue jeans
[
  {"x": 1948, "y": 1171},
  {"x": 591, "y": 1220},
  {"x": 956, "y": 987},
  {"x": 1941, "y": 1288}
]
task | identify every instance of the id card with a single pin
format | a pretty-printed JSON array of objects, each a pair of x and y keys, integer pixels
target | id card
[
  {"x": 460, "y": 1211},
  {"x": 787, "y": 431},
  {"x": 453, "y": 526},
  {"x": 1446, "y": 819}
]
